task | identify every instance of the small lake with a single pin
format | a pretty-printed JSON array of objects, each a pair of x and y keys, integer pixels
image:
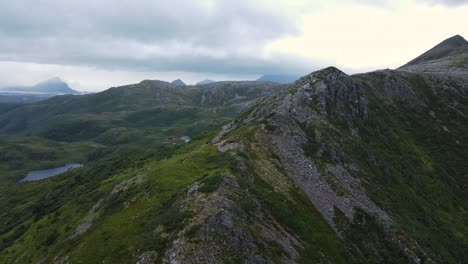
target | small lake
[
  {"x": 43, "y": 174},
  {"x": 186, "y": 139}
]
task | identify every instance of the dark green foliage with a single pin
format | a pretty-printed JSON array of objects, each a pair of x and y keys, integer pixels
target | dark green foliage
[
  {"x": 415, "y": 170},
  {"x": 116, "y": 202},
  {"x": 192, "y": 231},
  {"x": 9, "y": 240},
  {"x": 160, "y": 231},
  {"x": 211, "y": 183},
  {"x": 312, "y": 146},
  {"x": 275, "y": 248},
  {"x": 366, "y": 239},
  {"x": 51, "y": 238},
  {"x": 73, "y": 130}
]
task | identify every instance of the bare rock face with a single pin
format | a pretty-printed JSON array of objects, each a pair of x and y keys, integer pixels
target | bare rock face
[
  {"x": 311, "y": 102},
  {"x": 81, "y": 229},
  {"x": 334, "y": 93},
  {"x": 148, "y": 257}
]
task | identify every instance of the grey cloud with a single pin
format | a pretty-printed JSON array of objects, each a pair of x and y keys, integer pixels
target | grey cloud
[
  {"x": 390, "y": 3},
  {"x": 186, "y": 35},
  {"x": 450, "y": 3},
  {"x": 123, "y": 56}
]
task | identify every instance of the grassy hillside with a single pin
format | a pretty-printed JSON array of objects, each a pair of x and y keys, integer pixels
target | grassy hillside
[
  {"x": 43, "y": 215},
  {"x": 115, "y": 134}
]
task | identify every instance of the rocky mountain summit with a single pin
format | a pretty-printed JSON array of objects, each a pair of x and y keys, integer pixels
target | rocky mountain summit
[
  {"x": 178, "y": 82},
  {"x": 449, "y": 56}
]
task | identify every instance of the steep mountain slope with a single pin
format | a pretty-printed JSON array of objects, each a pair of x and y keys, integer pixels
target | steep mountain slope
[
  {"x": 361, "y": 148},
  {"x": 369, "y": 168}
]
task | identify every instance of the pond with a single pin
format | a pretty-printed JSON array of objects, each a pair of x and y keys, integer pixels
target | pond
[
  {"x": 186, "y": 139},
  {"x": 43, "y": 174}
]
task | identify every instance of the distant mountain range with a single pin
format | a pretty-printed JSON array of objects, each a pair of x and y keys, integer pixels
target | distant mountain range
[
  {"x": 278, "y": 78},
  {"x": 52, "y": 86},
  {"x": 205, "y": 82},
  {"x": 40, "y": 91}
]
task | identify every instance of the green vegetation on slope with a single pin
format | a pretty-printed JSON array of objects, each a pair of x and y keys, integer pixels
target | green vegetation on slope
[
  {"x": 287, "y": 203},
  {"x": 134, "y": 190},
  {"x": 415, "y": 170}
]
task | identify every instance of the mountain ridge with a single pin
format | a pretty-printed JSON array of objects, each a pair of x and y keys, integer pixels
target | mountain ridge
[{"x": 332, "y": 168}]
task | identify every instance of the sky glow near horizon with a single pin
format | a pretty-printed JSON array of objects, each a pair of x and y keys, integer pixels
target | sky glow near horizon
[{"x": 94, "y": 45}]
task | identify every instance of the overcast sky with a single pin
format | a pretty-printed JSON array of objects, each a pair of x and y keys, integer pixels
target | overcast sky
[{"x": 94, "y": 45}]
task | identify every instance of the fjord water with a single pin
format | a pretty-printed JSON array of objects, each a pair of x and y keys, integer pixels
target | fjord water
[{"x": 44, "y": 174}]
